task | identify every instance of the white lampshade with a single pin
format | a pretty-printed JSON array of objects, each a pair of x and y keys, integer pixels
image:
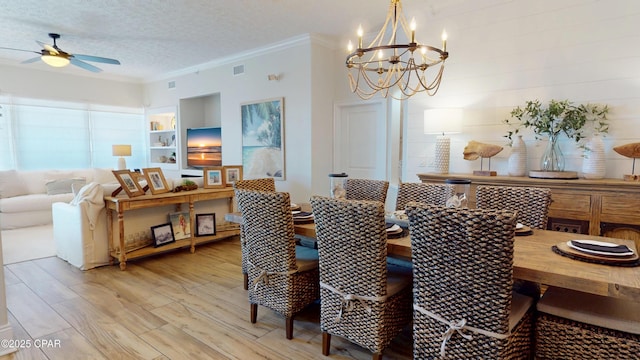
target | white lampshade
[
  {"x": 442, "y": 122},
  {"x": 121, "y": 150}
]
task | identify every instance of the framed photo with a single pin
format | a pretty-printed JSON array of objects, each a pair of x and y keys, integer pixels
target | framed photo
[
  {"x": 213, "y": 177},
  {"x": 129, "y": 182},
  {"x": 205, "y": 224},
  {"x": 181, "y": 224},
  {"x": 263, "y": 139},
  {"x": 155, "y": 180},
  {"x": 232, "y": 173},
  {"x": 162, "y": 234}
]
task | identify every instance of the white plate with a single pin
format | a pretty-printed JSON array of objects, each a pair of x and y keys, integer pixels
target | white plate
[
  {"x": 393, "y": 228},
  {"x": 595, "y": 252},
  {"x": 296, "y": 212},
  {"x": 519, "y": 226}
]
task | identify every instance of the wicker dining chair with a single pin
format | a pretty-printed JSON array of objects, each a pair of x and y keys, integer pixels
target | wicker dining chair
[
  {"x": 575, "y": 325},
  {"x": 264, "y": 184},
  {"x": 362, "y": 298},
  {"x": 531, "y": 203},
  {"x": 436, "y": 194},
  {"x": 463, "y": 304},
  {"x": 365, "y": 189},
  {"x": 279, "y": 279}
]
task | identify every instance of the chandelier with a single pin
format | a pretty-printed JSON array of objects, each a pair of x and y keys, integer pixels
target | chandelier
[{"x": 386, "y": 64}]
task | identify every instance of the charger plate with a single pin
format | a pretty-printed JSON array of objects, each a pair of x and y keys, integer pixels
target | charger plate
[{"x": 564, "y": 250}]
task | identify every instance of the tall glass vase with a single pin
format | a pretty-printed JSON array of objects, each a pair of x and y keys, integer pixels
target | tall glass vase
[{"x": 552, "y": 158}]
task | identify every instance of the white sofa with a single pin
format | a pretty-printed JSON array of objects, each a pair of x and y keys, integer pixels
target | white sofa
[
  {"x": 80, "y": 229},
  {"x": 26, "y": 196}
]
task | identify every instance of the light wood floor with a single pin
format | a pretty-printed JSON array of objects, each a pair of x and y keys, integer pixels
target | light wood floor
[{"x": 174, "y": 306}]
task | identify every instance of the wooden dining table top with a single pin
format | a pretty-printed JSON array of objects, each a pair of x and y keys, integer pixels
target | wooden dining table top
[{"x": 534, "y": 260}]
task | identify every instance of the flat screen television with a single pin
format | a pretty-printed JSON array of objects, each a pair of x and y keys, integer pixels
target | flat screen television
[{"x": 204, "y": 147}]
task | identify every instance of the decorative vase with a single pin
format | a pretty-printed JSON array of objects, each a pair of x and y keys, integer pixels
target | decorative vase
[
  {"x": 518, "y": 158},
  {"x": 552, "y": 158},
  {"x": 593, "y": 165}
]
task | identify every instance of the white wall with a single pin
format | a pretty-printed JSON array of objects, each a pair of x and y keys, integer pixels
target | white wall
[
  {"x": 295, "y": 65},
  {"x": 60, "y": 86},
  {"x": 522, "y": 50}
]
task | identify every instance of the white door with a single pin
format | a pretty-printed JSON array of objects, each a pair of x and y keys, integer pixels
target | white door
[{"x": 361, "y": 140}]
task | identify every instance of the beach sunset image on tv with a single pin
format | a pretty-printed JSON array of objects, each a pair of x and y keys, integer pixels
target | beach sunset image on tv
[{"x": 204, "y": 147}]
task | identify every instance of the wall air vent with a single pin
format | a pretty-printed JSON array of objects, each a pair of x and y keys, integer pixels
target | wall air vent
[
  {"x": 238, "y": 70},
  {"x": 171, "y": 84}
]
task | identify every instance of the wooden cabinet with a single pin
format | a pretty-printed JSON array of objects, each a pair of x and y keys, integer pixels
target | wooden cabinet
[
  {"x": 606, "y": 207},
  {"x": 120, "y": 205}
]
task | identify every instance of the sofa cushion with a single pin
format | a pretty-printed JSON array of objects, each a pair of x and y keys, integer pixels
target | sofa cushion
[
  {"x": 64, "y": 186},
  {"x": 11, "y": 184},
  {"x": 103, "y": 176}
]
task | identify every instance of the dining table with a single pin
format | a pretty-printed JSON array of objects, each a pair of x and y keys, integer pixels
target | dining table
[{"x": 534, "y": 260}]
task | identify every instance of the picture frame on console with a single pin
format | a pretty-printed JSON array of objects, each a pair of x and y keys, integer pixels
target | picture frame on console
[
  {"x": 156, "y": 180},
  {"x": 232, "y": 173},
  {"x": 162, "y": 234},
  {"x": 214, "y": 177},
  {"x": 181, "y": 225},
  {"x": 129, "y": 182},
  {"x": 205, "y": 224}
]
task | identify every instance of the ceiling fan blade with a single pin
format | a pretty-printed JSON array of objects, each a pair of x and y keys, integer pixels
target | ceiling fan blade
[
  {"x": 84, "y": 65},
  {"x": 31, "y": 51},
  {"x": 96, "y": 59},
  {"x": 32, "y": 60}
]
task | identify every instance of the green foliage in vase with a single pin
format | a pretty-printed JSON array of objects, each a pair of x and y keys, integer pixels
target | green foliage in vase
[{"x": 558, "y": 117}]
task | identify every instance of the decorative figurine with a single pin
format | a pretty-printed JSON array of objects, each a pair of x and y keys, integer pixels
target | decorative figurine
[
  {"x": 631, "y": 151},
  {"x": 475, "y": 150}
]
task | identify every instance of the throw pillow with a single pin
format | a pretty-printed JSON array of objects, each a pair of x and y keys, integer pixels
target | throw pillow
[
  {"x": 11, "y": 185},
  {"x": 64, "y": 186}
]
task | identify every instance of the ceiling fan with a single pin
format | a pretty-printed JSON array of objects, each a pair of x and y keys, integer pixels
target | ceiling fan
[{"x": 54, "y": 56}]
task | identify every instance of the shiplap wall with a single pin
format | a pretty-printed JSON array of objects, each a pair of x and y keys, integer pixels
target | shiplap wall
[{"x": 513, "y": 51}]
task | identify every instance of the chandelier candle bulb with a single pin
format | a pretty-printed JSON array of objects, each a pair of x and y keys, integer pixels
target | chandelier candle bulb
[
  {"x": 413, "y": 30},
  {"x": 360, "y": 33},
  {"x": 444, "y": 41}
]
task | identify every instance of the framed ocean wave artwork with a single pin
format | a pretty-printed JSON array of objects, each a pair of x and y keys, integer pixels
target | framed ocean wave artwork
[{"x": 263, "y": 139}]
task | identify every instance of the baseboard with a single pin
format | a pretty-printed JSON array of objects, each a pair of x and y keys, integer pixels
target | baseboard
[{"x": 6, "y": 333}]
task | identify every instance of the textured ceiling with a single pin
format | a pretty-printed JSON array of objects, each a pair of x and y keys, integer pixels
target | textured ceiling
[{"x": 155, "y": 37}]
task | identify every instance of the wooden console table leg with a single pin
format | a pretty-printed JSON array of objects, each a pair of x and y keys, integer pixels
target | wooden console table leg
[
  {"x": 123, "y": 255},
  {"x": 110, "y": 234},
  {"x": 192, "y": 220}
]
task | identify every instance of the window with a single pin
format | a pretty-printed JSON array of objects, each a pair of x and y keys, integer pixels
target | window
[{"x": 47, "y": 135}]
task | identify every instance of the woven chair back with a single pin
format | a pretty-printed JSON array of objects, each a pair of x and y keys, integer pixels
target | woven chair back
[
  {"x": 435, "y": 194},
  {"x": 365, "y": 189},
  {"x": 531, "y": 203},
  {"x": 268, "y": 229},
  {"x": 265, "y": 184},
  {"x": 352, "y": 245},
  {"x": 462, "y": 269}
]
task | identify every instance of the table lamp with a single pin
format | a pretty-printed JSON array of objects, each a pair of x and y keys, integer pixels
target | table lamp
[
  {"x": 442, "y": 122},
  {"x": 121, "y": 151}
]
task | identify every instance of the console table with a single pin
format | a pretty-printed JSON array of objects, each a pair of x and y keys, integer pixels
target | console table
[
  {"x": 120, "y": 205},
  {"x": 607, "y": 207}
]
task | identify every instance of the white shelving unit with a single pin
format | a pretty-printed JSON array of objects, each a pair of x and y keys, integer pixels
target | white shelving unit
[{"x": 163, "y": 140}]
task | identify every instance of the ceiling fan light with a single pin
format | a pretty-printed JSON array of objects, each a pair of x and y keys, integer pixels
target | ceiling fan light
[{"x": 55, "y": 60}]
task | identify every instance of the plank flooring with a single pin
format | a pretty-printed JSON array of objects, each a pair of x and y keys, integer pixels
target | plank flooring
[{"x": 174, "y": 306}]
